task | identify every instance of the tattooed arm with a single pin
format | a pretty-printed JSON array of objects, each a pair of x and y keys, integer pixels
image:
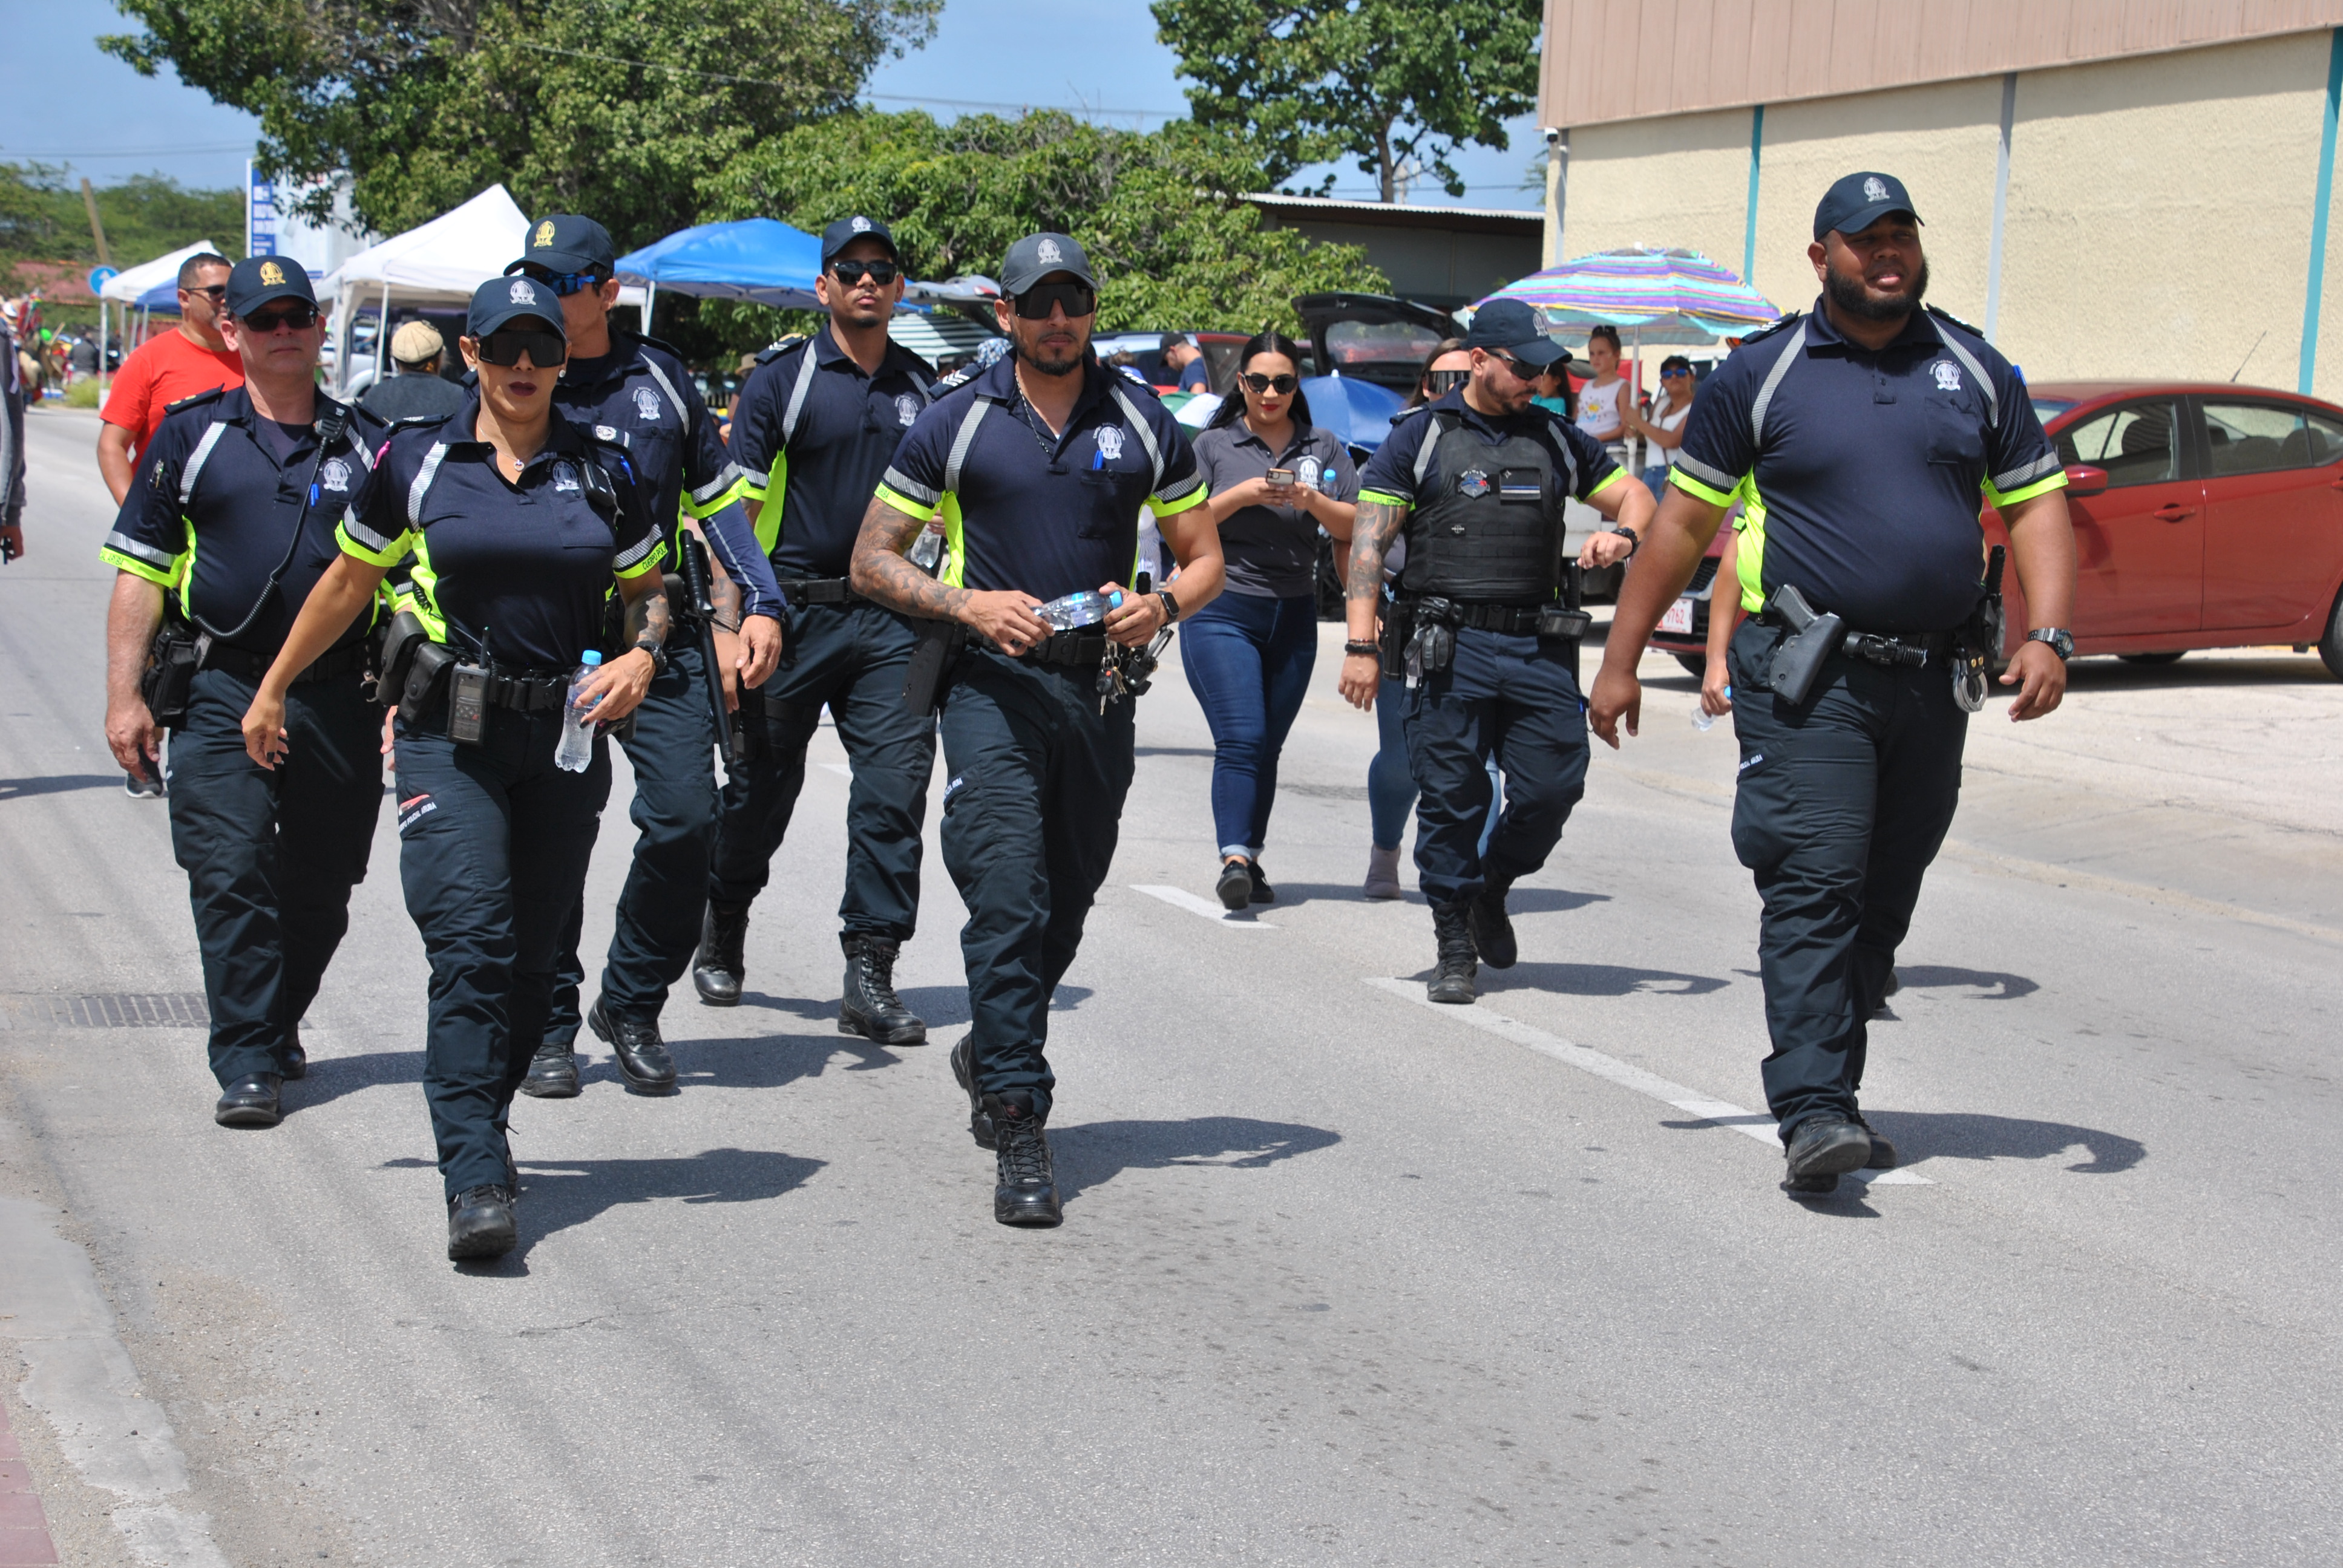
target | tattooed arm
[
  {"x": 620, "y": 685},
  {"x": 1377, "y": 524},
  {"x": 1006, "y": 619}
]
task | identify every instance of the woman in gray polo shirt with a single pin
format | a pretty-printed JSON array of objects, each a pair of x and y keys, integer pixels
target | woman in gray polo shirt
[{"x": 1276, "y": 480}]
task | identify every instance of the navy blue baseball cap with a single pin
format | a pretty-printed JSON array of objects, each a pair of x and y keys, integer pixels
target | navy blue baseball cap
[
  {"x": 564, "y": 243},
  {"x": 1036, "y": 255},
  {"x": 504, "y": 299},
  {"x": 1514, "y": 326},
  {"x": 1859, "y": 200},
  {"x": 847, "y": 230},
  {"x": 257, "y": 279}
]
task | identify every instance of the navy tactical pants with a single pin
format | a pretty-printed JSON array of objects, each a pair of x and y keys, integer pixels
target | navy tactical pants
[
  {"x": 1513, "y": 700},
  {"x": 1031, "y": 817},
  {"x": 271, "y": 857},
  {"x": 853, "y": 658},
  {"x": 1843, "y": 803},
  {"x": 673, "y": 750},
  {"x": 493, "y": 846}
]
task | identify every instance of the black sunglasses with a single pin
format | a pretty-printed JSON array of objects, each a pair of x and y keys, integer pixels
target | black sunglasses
[
  {"x": 1079, "y": 298},
  {"x": 1442, "y": 381},
  {"x": 563, "y": 284},
  {"x": 851, "y": 272},
  {"x": 299, "y": 318},
  {"x": 1521, "y": 371},
  {"x": 505, "y": 346},
  {"x": 218, "y": 291},
  {"x": 1281, "y": 385}
]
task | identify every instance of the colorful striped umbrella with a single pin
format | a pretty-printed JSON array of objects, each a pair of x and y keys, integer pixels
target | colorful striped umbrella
[{"x": 1658, "y": 287}]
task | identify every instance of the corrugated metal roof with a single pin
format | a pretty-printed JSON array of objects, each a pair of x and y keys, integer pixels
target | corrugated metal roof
[{"x": 1409, "y": 215}]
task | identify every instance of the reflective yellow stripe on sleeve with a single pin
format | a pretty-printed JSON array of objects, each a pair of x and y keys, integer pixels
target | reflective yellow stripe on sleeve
[
  {"x": 2056, "y": 481},
  {"x": 139, "y": 569},
  {"x": 1383, "y": 497},
  {"x": 385, "y": 557},
  {"x": 905, "y": 504},
  {"x": 1697, "y": 489}
]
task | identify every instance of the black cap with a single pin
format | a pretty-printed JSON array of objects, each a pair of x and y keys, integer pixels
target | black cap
[
  {"x": 1036, "y": 255},
  {"x": 503, "y": 299},
  {"x": 1860, "y": 200},
  {"x": 257, "y": 279},
  {"x": 1510, "y": 325},
  {"x": 567, "y": 242},
  {"x": 847, "y": 230}
]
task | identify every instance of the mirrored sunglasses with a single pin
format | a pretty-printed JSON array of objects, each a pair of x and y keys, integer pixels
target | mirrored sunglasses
[{"x": 563, "y": 284}]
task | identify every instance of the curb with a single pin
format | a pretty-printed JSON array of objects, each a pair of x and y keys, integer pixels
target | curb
[{"x": 24, "y": 1529}]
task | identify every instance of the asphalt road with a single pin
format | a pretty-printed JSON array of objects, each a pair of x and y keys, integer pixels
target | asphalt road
[{"x": 1343, "y": 1279}]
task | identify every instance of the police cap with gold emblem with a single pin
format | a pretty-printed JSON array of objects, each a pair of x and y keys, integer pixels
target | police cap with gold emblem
[
  {"x": 257, "y": 279},
  {"x": 565, "y": 243}
]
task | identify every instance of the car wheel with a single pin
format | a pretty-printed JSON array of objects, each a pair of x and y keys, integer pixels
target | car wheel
[
  {"x": 2330, "y": 647},
  {"x": 2172, "y": 656},
  {"x": 1694, "y": 664}
]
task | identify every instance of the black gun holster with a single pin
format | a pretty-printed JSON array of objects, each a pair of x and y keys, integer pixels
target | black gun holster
[
  {"x": 1398, "y": 625},
  {"x": 169, "y": 677},
  {"x": 934, "y": 662},
  {"x": 427, "y": 673}
]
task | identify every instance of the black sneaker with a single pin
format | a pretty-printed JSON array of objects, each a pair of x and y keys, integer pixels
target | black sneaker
[
  {"x": 552, "y": 1073},
  {"x": 980, "y": 1119},
  {"x": 1026, "y": 1193},
  {"x": 139, "y": 788},
  {"x": 1493, "y": 927},
  {"x": 718, "y": 970},
  {"x": 1458, "y": 967},
  {"x": 481, "y": 1224},
  {"x": 1827, "y": 1144},
  {"x": 1262, "y": 893},
  {"x": 643, "y": 1060},
  {"x": 1235, "y": 886},
  {"x": 871, "y": 1006}
]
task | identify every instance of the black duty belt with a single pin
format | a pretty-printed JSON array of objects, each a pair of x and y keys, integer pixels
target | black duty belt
[
  {"x": 1512, "y": 619},
  {"x": 1910, "y": 649},
  {"x": 1064, "y": 650},
  {"x": 528, "y": 693},
  {"x": 820, "y": 590},
  {"x": 348, "y": 660}
]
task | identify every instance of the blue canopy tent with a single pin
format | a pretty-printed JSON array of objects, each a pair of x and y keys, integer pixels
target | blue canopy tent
[
  {"x": 1359, "y": 411},
  {"x": 758, "y": 258}
]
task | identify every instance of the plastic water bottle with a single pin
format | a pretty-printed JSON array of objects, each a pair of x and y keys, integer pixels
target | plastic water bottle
[
  {"x": 575, "y": 752},
  {"x": 1085, "y": 609},
  {"x": 1702, "y": 719}
]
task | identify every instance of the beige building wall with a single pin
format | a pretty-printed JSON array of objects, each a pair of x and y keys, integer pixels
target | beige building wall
[{"x": 1678, "y": 181}]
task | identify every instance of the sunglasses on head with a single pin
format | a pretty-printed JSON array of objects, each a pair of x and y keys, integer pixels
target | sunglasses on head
[
  {"x": 563, "y": 284},
  {"x": 1281, "y": 385},
  {"x": 851, "y": 272},
  {"x": 1447, "y": 380},
  {"x": 299, "y": 318},
  {"x": 505, "y": 346},
  {"x": 1079, "y": 298}
]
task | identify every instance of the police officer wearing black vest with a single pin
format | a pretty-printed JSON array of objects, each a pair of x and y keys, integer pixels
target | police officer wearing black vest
[
  {"x": 812, "y": 431},
  {"x": 1861, "y": 439},
  {"x": 1040, "y": 467},
  {"x": 633, "y": 390},
  {"x": 232, "y": 516},
  {"x": 1486, "y": 624}
]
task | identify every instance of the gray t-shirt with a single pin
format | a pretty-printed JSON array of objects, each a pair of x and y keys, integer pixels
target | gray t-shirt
[{"x": 1273, "y": 551}]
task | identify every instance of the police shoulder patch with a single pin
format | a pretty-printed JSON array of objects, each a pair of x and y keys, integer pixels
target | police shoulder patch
[
  {"x": 795, "y": 341},
  {"x": 1976, "y": 332},
  {"x": 195, "y": 400},
  {"x": 662, "y": 345},
  {"x": 1789, "y": 319}
]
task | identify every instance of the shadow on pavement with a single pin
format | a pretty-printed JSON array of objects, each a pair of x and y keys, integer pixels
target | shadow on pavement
[
  {"x": 1092, "y": 1153},
  {"x": 556, "y": 1194},
  {"x": 1960, "y": 1135},
  {"x": 771, "y": 1062},
  {"x": 58, "y": 784},
  {"x": 1592, "y": 979},
  {"x": 1997, "y": 985}
]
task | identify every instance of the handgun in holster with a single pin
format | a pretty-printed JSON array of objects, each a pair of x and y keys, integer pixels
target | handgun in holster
[
  {"x": 169, "y": 677},
  {"x": 394, "y": 652},
  {"x": 1432, "y": 646},
  {"x": 1980, "y": 638},
  {"x": 932, "y": 664},
  {"x": 426, "y": 670},
  {"x": 1799, "y": 658}
]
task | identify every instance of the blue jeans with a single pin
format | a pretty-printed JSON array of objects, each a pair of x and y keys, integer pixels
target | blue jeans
[
  {"x": 1655, "y": 480},
  {"x": 1390, "y": 788},
  {"x": 1248, "y": 661}
]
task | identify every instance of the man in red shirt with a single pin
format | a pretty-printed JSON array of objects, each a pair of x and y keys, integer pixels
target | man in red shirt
[{"x": 176, "y": 365}]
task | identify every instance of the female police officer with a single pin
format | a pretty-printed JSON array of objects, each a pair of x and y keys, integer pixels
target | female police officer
[{"x": 518, "y": 521}]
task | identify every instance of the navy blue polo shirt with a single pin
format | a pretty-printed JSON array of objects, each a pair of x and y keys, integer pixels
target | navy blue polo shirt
[
  {"x": 213, "y": 507},
  {"x": 521, "y": 568},
  {"x": 1862, "y": 473},
  {"x": 1401, "y": 474},
  {"x": 813, "y": 434},
  {"x": 1026, "y": 510},
  {"x": 640, "y": 396}
]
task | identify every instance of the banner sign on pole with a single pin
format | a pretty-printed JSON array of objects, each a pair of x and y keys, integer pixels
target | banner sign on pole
[{"x": 259, "y": 212}]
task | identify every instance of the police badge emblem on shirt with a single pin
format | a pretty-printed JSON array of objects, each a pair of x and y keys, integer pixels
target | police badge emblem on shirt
[
  {"x": 565, "y": 477},
  {"x": 334, "y": 476},
  {"x": 907, "y": 409},
  {"x": 1472, "y": 484}
]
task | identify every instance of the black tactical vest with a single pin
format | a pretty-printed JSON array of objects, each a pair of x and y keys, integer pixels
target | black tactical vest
[{"x": 1493, "y": 534}]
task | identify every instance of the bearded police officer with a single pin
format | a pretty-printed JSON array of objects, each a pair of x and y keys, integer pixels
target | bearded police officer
[
  {"x": 634, "y": 391},
  {"x": 1040, "y": 467},
  {"x": 232, "y": 513},
  {"x": 1859, "y": 438},
  {"x": 1486, "y": 617},
  {"x": 812, "y": 431}
]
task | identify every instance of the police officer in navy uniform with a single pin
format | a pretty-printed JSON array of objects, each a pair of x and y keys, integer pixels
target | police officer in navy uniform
[
  {"x": 232, "y": 515},
  {"x": 812, "y": 431},
  {"x": 635, "y": 391},
  {"x": 1477, "y": 480},
  {"x": 1861, "y": 439},
  {"x": 521, "y": 523},
  {"x": 1040, "y": 467}
]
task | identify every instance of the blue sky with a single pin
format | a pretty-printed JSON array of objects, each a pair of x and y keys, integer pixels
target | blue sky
[{"x": 67, "y": 103}]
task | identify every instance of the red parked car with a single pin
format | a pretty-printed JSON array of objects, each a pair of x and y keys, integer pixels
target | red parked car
[{"x": 2206, "y": 515}]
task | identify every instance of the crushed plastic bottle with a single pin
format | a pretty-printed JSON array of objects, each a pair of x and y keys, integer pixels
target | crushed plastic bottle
[
  {"x": 1079, "y": 610},
  {"x": 1702, "y": 719},
  {"x": 575, "y": 752}
]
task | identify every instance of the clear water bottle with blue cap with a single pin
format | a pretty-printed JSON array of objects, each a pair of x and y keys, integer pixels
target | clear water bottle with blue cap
[
  {"x": 575, "y": 752},
  {"x": 1702, "y": 719},
  {"x": 1079, "y": 610}
]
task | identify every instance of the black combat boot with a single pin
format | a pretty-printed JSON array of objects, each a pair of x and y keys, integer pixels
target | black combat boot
[
  {"x": 481, "y": 1224},
  {"x": 1027, "y": 1190},
  {"x": 1451, "y": 925},
  {"x": 718, "y": 971},
  {"x": 1493, "y": 928},
  {"x": 643, "y": 1060},
  {"x": 552, "y": 1073},
  {"x": 1821, "y": 1149},
  {"x": 980, "y": 1119},
  {"x": 1883, "y": 1153},
  {"x": 871, "y": 1006}
]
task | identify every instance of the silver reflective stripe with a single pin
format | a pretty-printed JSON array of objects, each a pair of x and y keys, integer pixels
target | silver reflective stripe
[
  {"x": 196, "y": 463},
  {"x": 926, "y": 393},
  {"x": 1433, "y": 430},
  {"x": 1146, "y": 436},
  {"x": 758, "y": 480},
  {"x": 726, "y": 478},
  {"x": 358, "y": 450},
  {"x": 421, "y": 487},
  {"x": 2025, "y": 473},
  {"x": 1715, "y": 478},
  {"x": 961, "y": 442},
  {"x": 798, "y": 394},
  {"x": 1182, "y": 489},
  {"x": 123, "y": 544},
  {"x": 1790, "y": 353},
  {"x": 1984, "y": 382},
  {"x": 908, "y": 487},
  {"x": 643, "y": 546},
  {"x": 682, "y": 414},
  {"x": 364, "y": 535}
]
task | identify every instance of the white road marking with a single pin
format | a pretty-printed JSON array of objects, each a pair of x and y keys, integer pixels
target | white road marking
[
  {"x": 77, "y": 1375},
  {"x": 1480, "y": 1016},
  {"x": 1210, "y": 909}
]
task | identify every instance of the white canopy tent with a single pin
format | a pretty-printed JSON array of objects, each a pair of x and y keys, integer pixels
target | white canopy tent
[{"x": 439, "y": 263}]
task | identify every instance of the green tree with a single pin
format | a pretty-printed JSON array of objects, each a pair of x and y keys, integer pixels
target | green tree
[
  {"x": 1391, "y": 82},
  {"x": 42, "y": 219},
  {"x": 615, "y": 108},
  {"x": 1160, "y": 214}
]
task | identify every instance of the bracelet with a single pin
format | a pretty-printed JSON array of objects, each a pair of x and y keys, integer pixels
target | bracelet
[{"x": 1363, "y": 649}]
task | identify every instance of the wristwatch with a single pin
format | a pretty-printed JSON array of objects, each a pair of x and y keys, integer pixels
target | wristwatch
[
  {"x": 2061, "y": 640},
  {"x": 1171, "y": 606},
  {"x": 659, "y": 657},
  {"x": 1634, "y": 544}
]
